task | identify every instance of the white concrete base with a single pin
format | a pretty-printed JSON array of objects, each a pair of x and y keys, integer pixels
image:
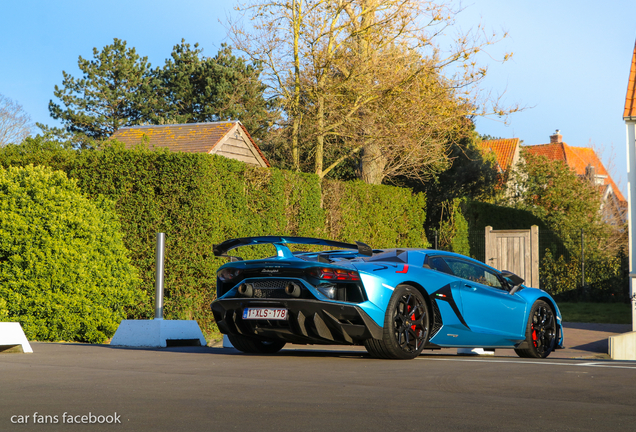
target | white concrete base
[
  {"x": 12, "y": 335},
  {"x": 474, "y": 351},
  {"x": 226, "y": 342},
  {"x": 623, "y": 346},
  {"x": 155, "y": 333}
]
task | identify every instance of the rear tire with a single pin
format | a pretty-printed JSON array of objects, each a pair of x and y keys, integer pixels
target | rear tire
[
  {"x": 406, "y": 326},
  {"x": 541, "y": 332},
  {"x": 255, "y": 346}
]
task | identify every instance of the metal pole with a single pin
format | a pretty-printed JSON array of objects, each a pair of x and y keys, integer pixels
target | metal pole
[
  {"x": 435, "y": 239},
  {"x": 582, "y": 259},
  {"x": 160, "y": 253}
]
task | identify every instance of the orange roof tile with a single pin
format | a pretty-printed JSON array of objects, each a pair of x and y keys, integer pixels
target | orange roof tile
[
  {"x": 554, "y": 151},
  {"x": 192, "y": 137},
  {"x": 630, "y": 99},
  {"x": 504, "y": 150},
  {"x": 189, "y": 138},
  {"x": 577, "y": 158}
]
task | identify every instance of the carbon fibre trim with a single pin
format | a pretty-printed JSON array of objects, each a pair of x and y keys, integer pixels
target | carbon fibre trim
[
  {"x": 445, "y": 294},
  {"x": 222, "y": 248},
  {"x": 437, "y": 317},
  {"x": 309, "y": 321}
]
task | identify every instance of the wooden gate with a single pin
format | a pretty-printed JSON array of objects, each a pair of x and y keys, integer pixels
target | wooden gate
[{"x": 516, "y": 251}]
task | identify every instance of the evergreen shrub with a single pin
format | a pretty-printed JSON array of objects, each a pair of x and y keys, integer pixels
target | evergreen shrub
[
  {"x": 64, "y": 271},
  {"x": 479, "y": 215},
  {"x": 4, "y": 312},
  {"x": 453, "y": 229}
]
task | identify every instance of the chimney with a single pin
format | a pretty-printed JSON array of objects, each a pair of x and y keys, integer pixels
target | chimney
[
  {"x": 556, "y": 138},
  {"x": 590, "y": 173}
]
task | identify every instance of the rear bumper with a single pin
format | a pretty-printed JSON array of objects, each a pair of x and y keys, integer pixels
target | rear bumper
[{"x": 309, "y": 321}]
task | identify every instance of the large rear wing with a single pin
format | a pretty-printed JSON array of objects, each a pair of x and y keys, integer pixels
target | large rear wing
[{"x": 222, "y": 249}]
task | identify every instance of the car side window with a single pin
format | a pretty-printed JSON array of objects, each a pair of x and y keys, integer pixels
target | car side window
[
  {"x": 438, "y": 263},
  {"x": 474, "y": 272}
]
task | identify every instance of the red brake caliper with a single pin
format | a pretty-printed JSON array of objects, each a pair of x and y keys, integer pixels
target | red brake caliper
[
  {"x": 412, "y": 318},
  {"x": 534, "y": 336}
]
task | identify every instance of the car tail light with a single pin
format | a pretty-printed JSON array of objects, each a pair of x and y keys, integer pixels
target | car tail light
[{"x": 334, "y": 274}]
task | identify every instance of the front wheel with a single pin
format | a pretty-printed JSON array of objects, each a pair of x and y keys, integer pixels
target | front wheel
[
  {"x": 541, "y": 332},
  {"x": 255, "y": 346},
  {"x": 406, "y": 326}
]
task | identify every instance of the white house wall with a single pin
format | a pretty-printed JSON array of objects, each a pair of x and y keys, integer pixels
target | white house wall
[{"x": 631, "y": 196}]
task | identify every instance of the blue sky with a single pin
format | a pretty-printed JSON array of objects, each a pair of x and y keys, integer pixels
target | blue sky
[{"x": 570, "y": 64}]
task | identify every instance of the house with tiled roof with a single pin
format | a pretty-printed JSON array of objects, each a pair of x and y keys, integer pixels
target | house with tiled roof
[
  {"x": 586, "y": 164},
  {"x": 507, "y": 156},
  {"x": 506, "y": 151},
  {"x": 230, "y": 139},
  {"x": 584, "y": 161}
]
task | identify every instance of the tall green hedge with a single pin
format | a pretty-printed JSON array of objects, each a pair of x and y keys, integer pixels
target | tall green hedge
[
  {"x": 383, "y": 216},
  {"x": 199, "y": 200}
]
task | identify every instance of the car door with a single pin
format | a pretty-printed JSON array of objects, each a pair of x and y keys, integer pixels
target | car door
[{"x": 487, "y": 306}]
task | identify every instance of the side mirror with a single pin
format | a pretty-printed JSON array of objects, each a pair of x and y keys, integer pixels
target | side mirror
[{"x": 516, "y": 281}]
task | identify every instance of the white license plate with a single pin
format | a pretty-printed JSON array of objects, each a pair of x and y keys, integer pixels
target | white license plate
[{"x": 265, "y": 313}]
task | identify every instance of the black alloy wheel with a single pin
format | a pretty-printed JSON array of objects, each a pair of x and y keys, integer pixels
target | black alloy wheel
[
  {"x": 406, "y": 326},
  {"x": 541, "y": 332}
]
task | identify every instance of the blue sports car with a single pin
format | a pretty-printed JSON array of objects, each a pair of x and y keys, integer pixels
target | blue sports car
[{"x": 395, "y": 302}]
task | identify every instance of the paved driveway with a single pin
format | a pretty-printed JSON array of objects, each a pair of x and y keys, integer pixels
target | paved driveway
[{"x": 215, "y": 389}]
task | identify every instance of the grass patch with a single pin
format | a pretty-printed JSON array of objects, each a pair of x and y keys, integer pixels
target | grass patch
[{"x": 609, "y": 313}]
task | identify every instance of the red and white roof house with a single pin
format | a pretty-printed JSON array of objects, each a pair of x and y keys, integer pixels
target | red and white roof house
[{"x": 582, "y": 160}]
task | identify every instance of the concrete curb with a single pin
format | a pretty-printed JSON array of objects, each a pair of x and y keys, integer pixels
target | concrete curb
[
  {"x": 156, "y": 333},
  {"x": 12, "y": 336},
  {"x": 623, "y": 346}
]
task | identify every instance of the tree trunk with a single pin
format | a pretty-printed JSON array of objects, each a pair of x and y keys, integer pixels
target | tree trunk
[
  {"x": 372, "y": 164},
  {"x": 294, "y": 146},
  {"x": 295, "y": 111},
  {"x": 320, "y": 138},
  {"x": 372, "y": 161}
]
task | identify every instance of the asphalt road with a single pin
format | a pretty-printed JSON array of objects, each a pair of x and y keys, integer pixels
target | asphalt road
[{"x": 216, "y": 389}]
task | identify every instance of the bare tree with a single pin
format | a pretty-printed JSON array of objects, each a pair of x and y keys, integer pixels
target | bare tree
[
  {"x": 15, "y": 123},
  {"x": 274, "y": 41},
  {"x": 353, "y": 74}
]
